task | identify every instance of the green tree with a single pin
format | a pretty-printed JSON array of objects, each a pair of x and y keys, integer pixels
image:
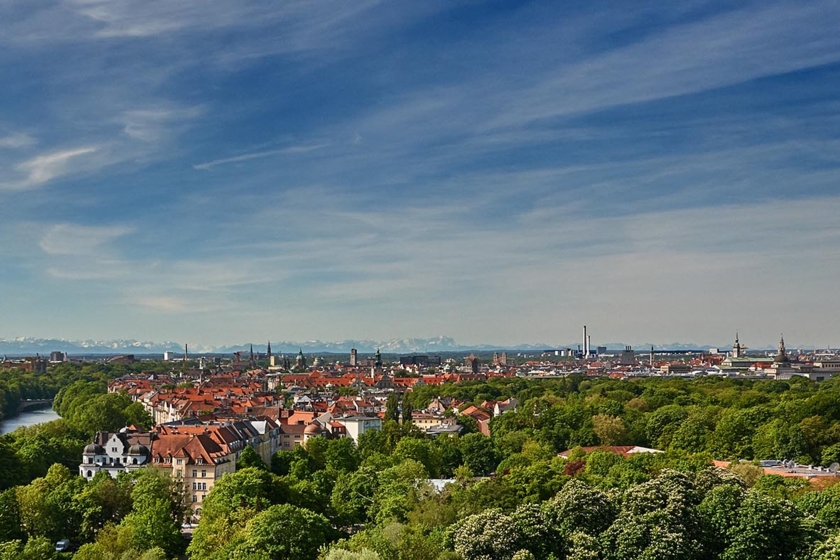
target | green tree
[
  {"x": 407, "y": 408},
  {"x": 392, "y": 408},
  {"x": 488, "y": 535},
  {"x": 235, "y": 499},
  {"x": 829, "y": 549},
  {"x": 479, "y": 454},
  {"x": 284, "y": 532},
  {"x": 422, "y": 451},
  {"x": 342, "y": 456},
  {"x": 658, "y": 520},
  {"x": 153, "y": 526},
  {"x": 578, "y": 508},
  {"x": 103, "y": 500},
  {"x": 609, "y": 429},
  {"x": 353, "y": 495},
  {"x": 10, "y": 521},
  {"x": 250, "y": 458},
  {"x": 766, "y": 528},
  {"x": 341, "y": 554}
]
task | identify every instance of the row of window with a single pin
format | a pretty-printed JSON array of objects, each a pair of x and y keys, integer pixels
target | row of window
[
  {"x": 167, "y": 460},
  {"x": 199, "y": 486}
]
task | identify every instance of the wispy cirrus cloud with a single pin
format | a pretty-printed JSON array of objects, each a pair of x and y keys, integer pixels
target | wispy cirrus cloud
[
  {"x": 157, "y": 124},
  {"x": 43, "y": 168},
  {"x": 17, "y": 140},
  {"x": 79, "y": 240},
  {"x": 302, "y": 149}
]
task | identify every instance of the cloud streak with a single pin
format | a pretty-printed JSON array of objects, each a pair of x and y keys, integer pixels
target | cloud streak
[
  {"x": 78, "y": 240},
  {"x": 303, "y": 149},
  {"x": 46, "y": 167},
  {"x": 17, "y": 140}
]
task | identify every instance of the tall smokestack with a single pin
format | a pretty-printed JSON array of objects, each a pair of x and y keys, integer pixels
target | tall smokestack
[{"x": 588, "y": 344}]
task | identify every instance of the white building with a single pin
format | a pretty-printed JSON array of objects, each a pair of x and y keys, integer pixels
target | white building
[
  {"x": 357, "y": 425},
  {"x": 124, "y": 451}
]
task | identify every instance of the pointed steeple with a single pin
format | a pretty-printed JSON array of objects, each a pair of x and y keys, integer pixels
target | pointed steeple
[
  {"x": 737, "y": 350},
  {"x": 782, "y": 357},
  {"x": 268, "y": 350}
]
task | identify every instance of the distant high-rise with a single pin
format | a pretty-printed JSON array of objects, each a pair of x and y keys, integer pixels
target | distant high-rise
[
  {"x": 627, "y": 356},
  {"x": 354, "y": 357},
  {"x": 585, "y": 345}
]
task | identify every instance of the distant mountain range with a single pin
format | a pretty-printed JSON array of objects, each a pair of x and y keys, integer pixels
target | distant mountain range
[{"x": 26, "y": 346}]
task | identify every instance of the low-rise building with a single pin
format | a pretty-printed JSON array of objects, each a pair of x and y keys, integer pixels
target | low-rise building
[{"x": 123, "y": 451}]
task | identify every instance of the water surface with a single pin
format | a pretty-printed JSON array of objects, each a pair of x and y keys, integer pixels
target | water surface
[{"x": 28, "y": 418}]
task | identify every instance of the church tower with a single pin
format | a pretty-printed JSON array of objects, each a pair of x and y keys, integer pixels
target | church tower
[
  {"x": 737, "y": 349},
  {"x": 781, "y": 356}
]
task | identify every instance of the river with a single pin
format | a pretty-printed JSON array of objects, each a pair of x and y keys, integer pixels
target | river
[{"x": 28, "y": 418}]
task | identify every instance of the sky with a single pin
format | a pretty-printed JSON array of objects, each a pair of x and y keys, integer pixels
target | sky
[{"x": 500, "y": 172}]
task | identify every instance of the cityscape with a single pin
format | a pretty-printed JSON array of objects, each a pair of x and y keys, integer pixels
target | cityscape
[{"x": 438, "y": 280}]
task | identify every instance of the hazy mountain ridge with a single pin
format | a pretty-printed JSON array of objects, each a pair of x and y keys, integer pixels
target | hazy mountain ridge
[{"x": 33, "y": 345}]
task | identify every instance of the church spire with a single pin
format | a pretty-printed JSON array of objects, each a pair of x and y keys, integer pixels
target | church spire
[
  {"x": 737, "y": 350},
  {"x": 782, "y": 357}
]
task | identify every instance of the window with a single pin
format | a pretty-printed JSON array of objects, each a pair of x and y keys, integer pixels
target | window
[
  {"x": 180, "y": 461},
  {"x": 195, "y": 473},
  {"x": 195, "y": 498},
  {"x": 195, "y": 485},
  {"x": 203, "y": 473}
]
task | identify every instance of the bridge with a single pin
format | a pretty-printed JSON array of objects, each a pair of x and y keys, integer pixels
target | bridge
[{"x": 26, "y": 404}]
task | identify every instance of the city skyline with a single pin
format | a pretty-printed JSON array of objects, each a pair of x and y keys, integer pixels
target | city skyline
[
  {"x": 501, "y": 173},
  {"x": 442, "y": 344}
]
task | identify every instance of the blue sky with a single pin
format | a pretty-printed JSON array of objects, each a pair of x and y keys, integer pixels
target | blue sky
[{"x": 501, "y": 172}]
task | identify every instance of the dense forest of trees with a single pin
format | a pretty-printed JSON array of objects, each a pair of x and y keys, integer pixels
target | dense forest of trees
[{"x": 511, "y": 496}]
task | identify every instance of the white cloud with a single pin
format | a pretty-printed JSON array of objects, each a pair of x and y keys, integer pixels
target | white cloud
[
  {"x": 165, "y": 304},
  {"x": 719, "y": 51},
  {"x": 17, "y": 140},
  {"x": 43, "y": 168},
  {"x": 302, "y": 149},
  {"x": 156, "y": 124},
  {"x": 77, "y": 240}
]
